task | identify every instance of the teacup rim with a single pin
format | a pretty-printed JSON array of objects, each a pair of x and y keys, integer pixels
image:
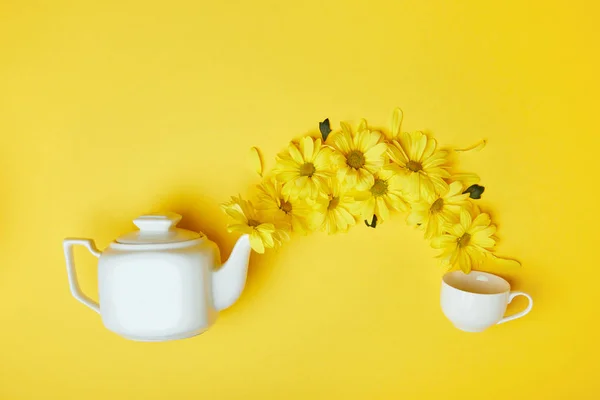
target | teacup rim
[{"x": 474, "y": 293}]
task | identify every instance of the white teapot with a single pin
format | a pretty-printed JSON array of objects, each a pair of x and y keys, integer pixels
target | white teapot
[{"x": 161, "y": 282}]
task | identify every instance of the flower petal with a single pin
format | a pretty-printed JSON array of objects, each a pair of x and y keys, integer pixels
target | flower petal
[
  {"x": 362, "y": 126},
  {"x": 236, "y": 214},
  {"x": 397, "y": 117},
  {"x": 415, "y": 218},
  {"x": 482, "y": 220},
  {"x": 456, "y": 230},
  {"x": 364, "y": 179},
  {"x": 454, "y": 189},
  {"x": 308, "y": 147},
  {"x": 413, "y": 184},
  {"x": 256, "y": 242},
  {"x": 432, "y": 227},
  {"x": 418, "y": 147},
  {"x": 256, "y": 160},
  {"x": 267, "y": 238},
  {"x": 346, "y": 128},
  {"x": 464, "y": 262},
  {"x": 442, "y": 241},
  {"x": 477, "y": 146},
  {"x": 397, "y": 153},
  {"x": 465, "y": 219},
  {"x": 368, "y": 208},
  {"x": 346, "y": 216},
  {"x": 341, "y": 142},
  {"x": 241, "y": 228},
  {"x": 382, "y": 210},
  {"x": 376, "y": 152},
  {"x": 295, "y": 153},
  {"x": 466, "y": 179}
]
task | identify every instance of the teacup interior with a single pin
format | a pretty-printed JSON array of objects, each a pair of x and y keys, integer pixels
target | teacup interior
[{"x": 476, "y": 282}]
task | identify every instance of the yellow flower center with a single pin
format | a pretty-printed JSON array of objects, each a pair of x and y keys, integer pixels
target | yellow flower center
[
  {"x": 355, "y": 159},
  {"x": 333, "y": 203},
  {"x": 464, "y": 240},
  {"x": 307, "y": 169},
  {"x": 285, "y": 206},
  {"x": 414, "y": 166},
  {"x": 437, "y": 206},
  {"x": 379, "y": 188},
  {"x": 253, "y": 223}
]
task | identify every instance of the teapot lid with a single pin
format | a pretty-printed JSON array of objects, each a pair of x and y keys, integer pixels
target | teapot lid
[{"x": 157, "y": 229}]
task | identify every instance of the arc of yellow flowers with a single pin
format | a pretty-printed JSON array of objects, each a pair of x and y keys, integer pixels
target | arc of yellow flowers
[{"x": 331, "y": 183}]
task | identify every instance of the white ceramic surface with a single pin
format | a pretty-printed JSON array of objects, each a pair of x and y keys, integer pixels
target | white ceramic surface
[
  {"x": 474, "y": 302},
  {"x": 161, "y": 283}
]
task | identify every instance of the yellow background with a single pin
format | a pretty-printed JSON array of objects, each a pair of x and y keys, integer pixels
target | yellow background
[{"x": 112, "y": 109}]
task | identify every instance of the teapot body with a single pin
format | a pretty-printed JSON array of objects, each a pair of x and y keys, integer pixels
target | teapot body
[
  {"x": 161, "y": 282},
  {"x": 158, "y": 292}
]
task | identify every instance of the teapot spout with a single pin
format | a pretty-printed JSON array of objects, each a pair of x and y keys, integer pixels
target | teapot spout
[{"x": 229, "y": 280}]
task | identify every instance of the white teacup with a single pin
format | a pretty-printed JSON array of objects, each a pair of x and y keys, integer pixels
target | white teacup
[{"x": 474, "y": 302}]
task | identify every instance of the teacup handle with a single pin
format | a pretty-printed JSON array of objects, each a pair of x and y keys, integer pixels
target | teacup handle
[{"x": 511, "y": 296}]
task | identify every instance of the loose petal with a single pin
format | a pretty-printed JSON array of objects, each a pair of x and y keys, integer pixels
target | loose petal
[
  {"x": 256, "y": 159},
  {"x": 397, "y": 117},
  {"x": 506, "y": 262},
  {"x": 477, "y": 146}
]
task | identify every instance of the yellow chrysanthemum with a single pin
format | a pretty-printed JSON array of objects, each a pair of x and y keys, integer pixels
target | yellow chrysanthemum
[
  {"x": 415, "y": 157},
  {"x": 468, "y": 242},
  {"x": 305, "y": 167},
  {"x": 247, "y": 221},
  {"x": 435, "y": 211},
  {"x": 336, "y": 211},
  {"x": 293, "y": 214},
  {"x": 384, "y": 195},
  {"x": 364, "y": 154}
]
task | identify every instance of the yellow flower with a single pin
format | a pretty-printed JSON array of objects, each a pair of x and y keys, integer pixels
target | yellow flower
[
  {"x": 336, "y": 211},
  {"x": 415, "y": 157},
  {"x": 305, "y": 167},
  {"x": 289, "y": 213},
  {"x": 467, "y": 242},
  {"x": 364, "y": 154},
  {"x": 247, "y": 221},
  {"x": 435, "y": 211},
  {"x": 384, "y": 195}
]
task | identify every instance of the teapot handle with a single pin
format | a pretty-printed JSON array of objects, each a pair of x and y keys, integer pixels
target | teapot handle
[{"x": 72, "y": 273}]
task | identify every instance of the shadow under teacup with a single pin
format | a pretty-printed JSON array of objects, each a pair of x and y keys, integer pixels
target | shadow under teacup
[{"x": 474, "y": 302}]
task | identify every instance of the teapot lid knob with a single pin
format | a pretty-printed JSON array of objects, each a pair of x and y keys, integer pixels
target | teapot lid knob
[
  {"x": 157, "y": 222},
  {"x": 158, "y": 228}
]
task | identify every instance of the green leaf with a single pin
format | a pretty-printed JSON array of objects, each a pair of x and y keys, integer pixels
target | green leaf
[
  {"x": 475, "y": 191},
  {"x": 325, "y": 128},
  {"x": 373, "y": 223}
]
